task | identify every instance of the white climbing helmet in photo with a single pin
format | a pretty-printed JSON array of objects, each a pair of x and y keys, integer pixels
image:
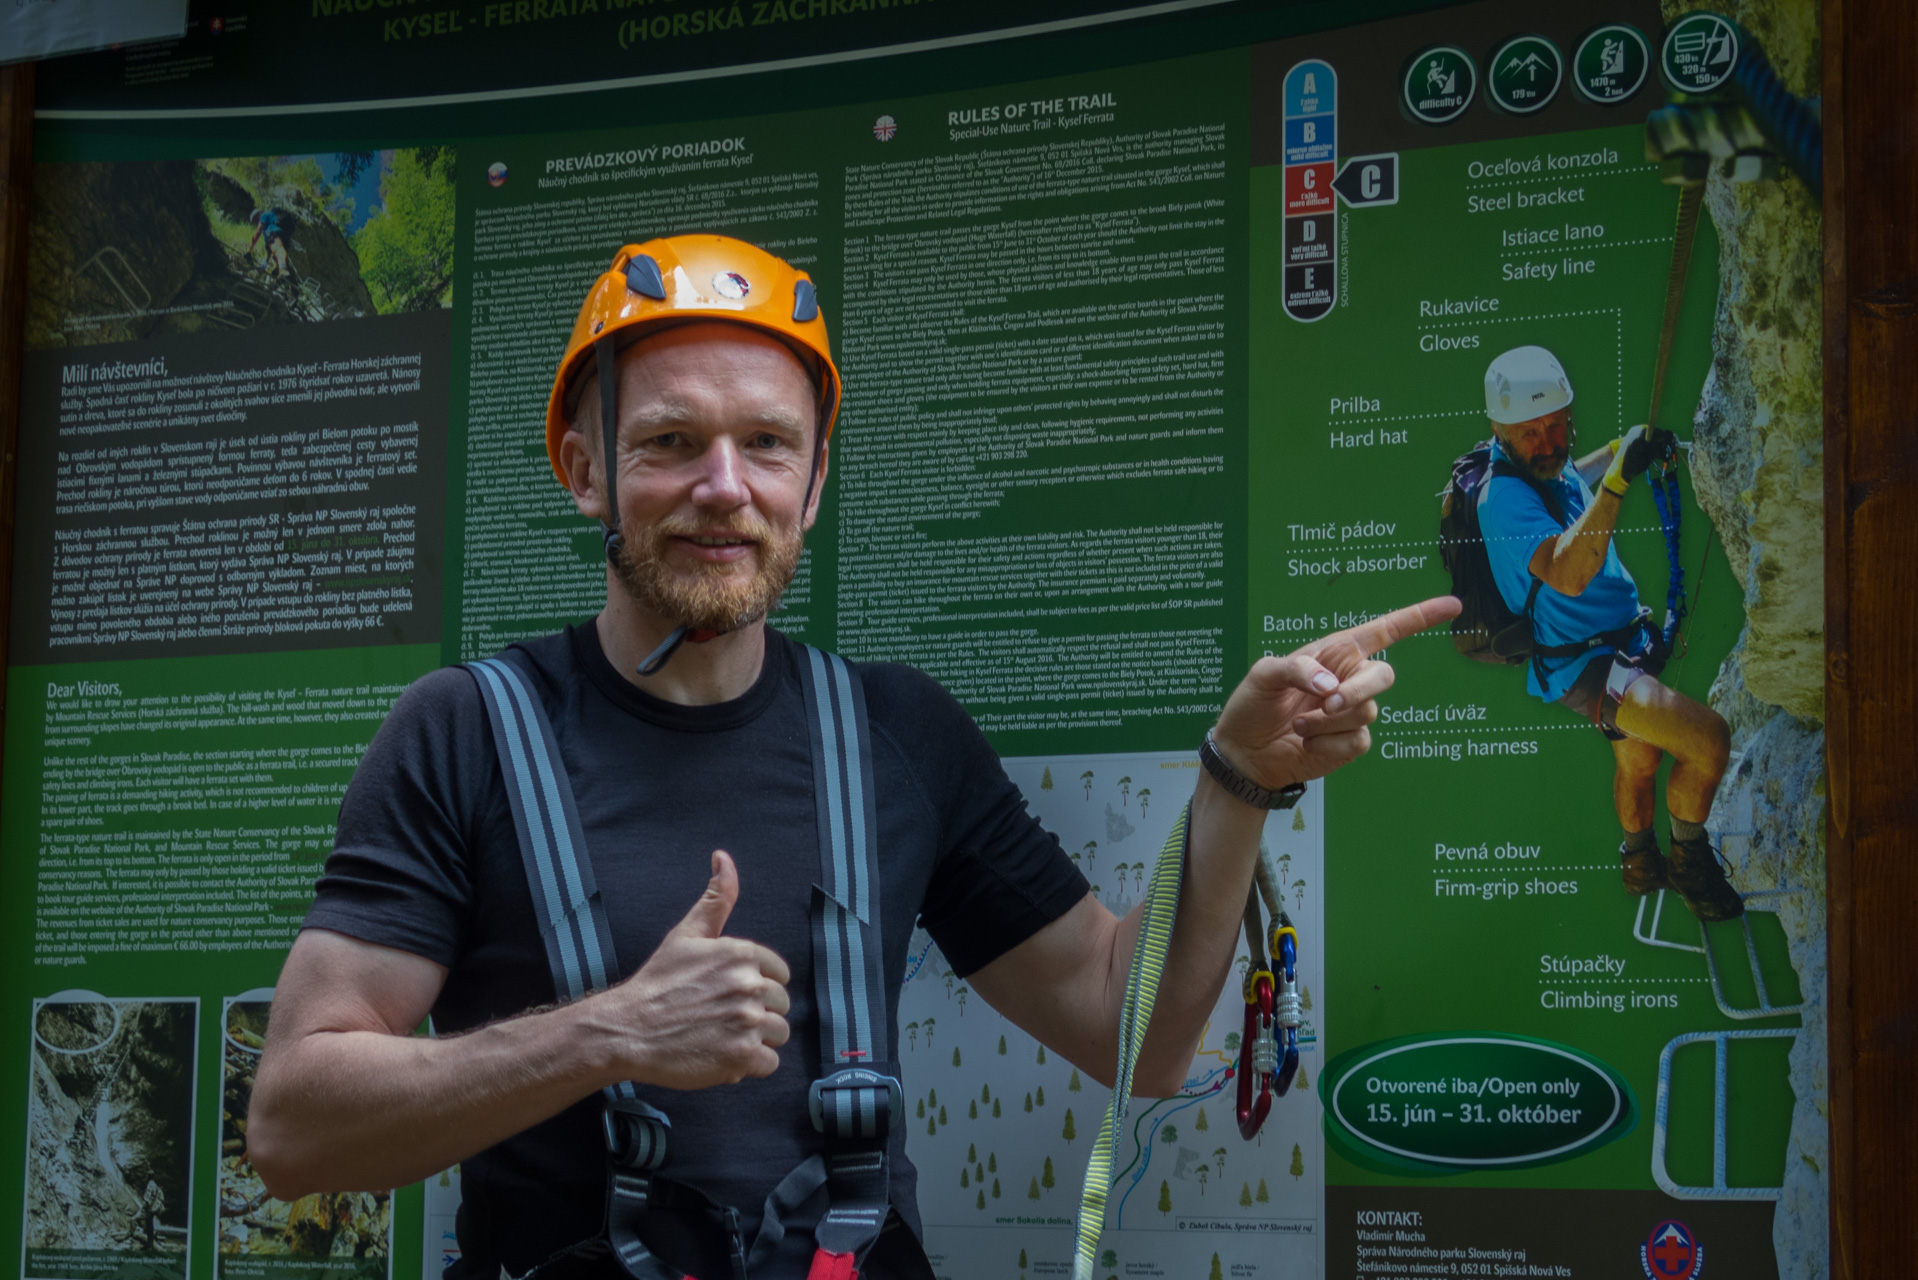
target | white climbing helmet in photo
[{"x": 1525, "y": 383}]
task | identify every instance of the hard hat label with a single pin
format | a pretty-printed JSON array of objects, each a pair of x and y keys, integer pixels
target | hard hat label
[{"x": 730, "y": 284}]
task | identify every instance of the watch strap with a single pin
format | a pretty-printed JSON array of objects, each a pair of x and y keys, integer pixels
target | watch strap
[{"x": 1241, "y": 787}]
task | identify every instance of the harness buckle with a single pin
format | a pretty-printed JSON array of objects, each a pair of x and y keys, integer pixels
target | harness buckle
[
  {"x": 636, "y": 1134},
  {"x": 833, "y": 1266},
  {"x": 862, "y": 1105}
]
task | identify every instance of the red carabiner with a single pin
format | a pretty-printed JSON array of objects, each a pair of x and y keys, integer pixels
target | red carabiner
[{"x": 1255, "y": 1087}]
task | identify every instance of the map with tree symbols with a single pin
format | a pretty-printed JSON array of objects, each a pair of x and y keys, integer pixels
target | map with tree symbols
[{"x": 1000, "y": 1127}]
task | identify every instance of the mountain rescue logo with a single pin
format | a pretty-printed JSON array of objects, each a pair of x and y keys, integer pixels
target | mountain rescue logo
[
  {"x": 884, "y": 127},
  {"x": 1671, "y": 1252}
]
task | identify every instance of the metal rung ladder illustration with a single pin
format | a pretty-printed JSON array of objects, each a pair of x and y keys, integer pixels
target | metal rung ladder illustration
[
  {"x": 119, "y": 277},
  {"x": 1755, "y": 901},
  {"x": 1720, "y": 1189}
]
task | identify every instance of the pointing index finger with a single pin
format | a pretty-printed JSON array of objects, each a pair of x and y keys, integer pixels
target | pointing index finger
[{"x": 1386, "y": 631}]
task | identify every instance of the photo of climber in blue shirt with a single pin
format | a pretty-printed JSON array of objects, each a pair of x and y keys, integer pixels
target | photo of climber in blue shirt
[
  {"x": 1568, "y": 571},
  {"x": 270, "y": 225}
]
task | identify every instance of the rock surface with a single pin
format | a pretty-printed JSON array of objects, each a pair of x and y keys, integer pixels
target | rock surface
[{"x": 1758, "y": 470}]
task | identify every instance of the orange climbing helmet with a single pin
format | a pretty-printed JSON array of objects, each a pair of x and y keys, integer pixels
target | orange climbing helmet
[{"x": 694, "y": 277}]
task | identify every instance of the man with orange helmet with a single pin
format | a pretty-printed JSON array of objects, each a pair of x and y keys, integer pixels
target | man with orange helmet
[{"x": 520, "y": 825}]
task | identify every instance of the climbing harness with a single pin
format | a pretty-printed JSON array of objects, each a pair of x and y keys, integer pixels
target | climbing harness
[
  {"x": 1272, "y": 1007},
  {"x": 857, "y": 1094}
]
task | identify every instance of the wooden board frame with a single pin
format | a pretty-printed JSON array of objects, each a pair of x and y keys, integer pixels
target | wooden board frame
[
  {"x": 16, "y": 193},
  {"x": 1871, "y": 629}
]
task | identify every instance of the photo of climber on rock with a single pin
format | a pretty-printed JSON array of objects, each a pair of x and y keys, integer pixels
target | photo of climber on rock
[
  {"x": 1527, "y": 529},
  {"x": 144, "y": 249},
  {"x": 271, "y": 224}
]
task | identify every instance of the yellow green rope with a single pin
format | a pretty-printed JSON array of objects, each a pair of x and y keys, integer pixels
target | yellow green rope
[{"x": 1141, "y": 989}]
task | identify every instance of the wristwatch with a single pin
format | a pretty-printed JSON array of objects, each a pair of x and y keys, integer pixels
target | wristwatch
[{"x": 1242, "y": 787}]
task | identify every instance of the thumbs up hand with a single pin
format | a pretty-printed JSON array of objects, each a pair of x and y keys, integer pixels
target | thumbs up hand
[{"x": 704, "y": 1009}]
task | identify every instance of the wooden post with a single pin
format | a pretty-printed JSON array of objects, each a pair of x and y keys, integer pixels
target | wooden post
[
  {"x": 1871, "y": 629},
  {"x": 16, "y": 186}
]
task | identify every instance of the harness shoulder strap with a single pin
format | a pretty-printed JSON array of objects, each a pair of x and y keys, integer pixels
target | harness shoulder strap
[
  {"x": 857, "y": 1094},
  {"x": 572, "y": 919},
  {"x": 578, "y": 939}
]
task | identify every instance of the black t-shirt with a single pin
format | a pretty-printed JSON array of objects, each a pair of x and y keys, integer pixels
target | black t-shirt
[{"x": 427, "y": 860}]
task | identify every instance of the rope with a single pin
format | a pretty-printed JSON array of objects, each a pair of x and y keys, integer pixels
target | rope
[
  {"x": 1664, "y": 485},
  {"x": 1791, "y": 123},
  {"x": 1141, "y": 990},
  {"x": 1670, "y": 512},
  {"x": 1684, "y": 231}
]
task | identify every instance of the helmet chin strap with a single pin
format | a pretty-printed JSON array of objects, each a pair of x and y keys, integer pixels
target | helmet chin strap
[
  {"x": 606, "y": 358},
  {"x": 669, "y": 646}
]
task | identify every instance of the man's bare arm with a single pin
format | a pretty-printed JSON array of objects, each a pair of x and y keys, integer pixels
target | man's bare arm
[
  {"x": 1568, "y": 563},
  {"x": 1591, "y": 467},
  {"x": 348, "y": 1098},
  {"x": 1292, "y": 719},
  {"x": 1066, "y": 984}
]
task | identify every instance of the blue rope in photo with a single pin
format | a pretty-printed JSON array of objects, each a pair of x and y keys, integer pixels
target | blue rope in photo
[{"x": 1670, "y": 512}]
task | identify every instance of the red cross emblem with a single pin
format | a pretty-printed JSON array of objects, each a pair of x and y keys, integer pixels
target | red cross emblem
[{"x": 1670, "y": 1252}]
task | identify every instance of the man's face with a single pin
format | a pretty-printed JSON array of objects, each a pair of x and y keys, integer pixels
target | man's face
[
  {"x": 1539, "y": 446},
  {"x": 714, "y": 452}
]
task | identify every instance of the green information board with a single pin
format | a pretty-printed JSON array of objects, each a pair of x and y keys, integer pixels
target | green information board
[{"x": 1162, "y": 330}]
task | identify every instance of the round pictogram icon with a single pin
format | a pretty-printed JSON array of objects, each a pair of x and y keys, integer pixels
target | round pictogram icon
[
  {"x": 884, "y": 127},
  {"x": 1524, "y": 74},
  {"x": 1611, "y": 64},
  {"x": 1699, "y": 53},
  {"x": 1438, "y": 84},
  {"x": 730, "y": 284},
  {"x": 496, "y": 174}
]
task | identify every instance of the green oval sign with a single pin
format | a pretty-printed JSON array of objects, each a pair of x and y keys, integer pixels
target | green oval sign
[{"x": 1459, "y": 1101}]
